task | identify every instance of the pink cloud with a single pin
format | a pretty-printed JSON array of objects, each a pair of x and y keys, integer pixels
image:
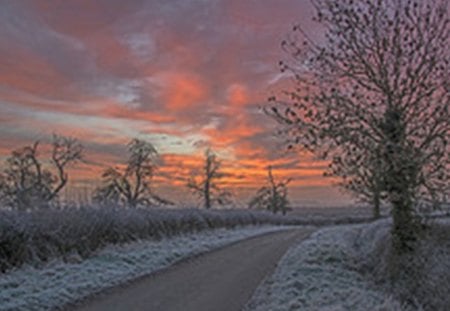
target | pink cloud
[{"x": 153, "y": 68}]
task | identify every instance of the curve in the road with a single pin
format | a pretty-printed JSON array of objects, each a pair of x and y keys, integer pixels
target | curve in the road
[{"x": 222, "y": 280}]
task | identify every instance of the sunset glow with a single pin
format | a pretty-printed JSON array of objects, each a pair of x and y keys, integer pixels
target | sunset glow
[{"x": 183, "y": 74}]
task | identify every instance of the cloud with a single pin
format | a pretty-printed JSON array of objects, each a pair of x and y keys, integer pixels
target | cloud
[
  {"x": 182, "y": 91},
  {"x": 185, "y": 74},
  {"x": 238, "y": 95}
]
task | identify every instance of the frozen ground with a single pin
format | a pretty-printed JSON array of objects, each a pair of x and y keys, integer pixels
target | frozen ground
[
  {"x": 321, "y": 273},
  {"x": 59, "y": 283}
]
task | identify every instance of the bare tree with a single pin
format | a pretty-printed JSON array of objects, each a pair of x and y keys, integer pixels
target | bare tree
[
  {"x": 25, "y": 183},
  {"x": 206, "y": 186},
  {"x": 377, "y": 87},
  {"x": 132, "y": 186},
  {"x": 273, "y": 196}
]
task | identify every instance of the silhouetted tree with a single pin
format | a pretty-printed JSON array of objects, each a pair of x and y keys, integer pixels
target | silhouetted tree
[
  {"x": 206, "y": 187},
  {"x": 26, "y": 184},
  {"x": 375, "y": 89},
  {"x": 273, "y": 196},
  {"x": 131, "y": 186}
]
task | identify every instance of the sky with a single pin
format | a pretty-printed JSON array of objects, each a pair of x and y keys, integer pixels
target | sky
[{"x": 182, "y": 74}]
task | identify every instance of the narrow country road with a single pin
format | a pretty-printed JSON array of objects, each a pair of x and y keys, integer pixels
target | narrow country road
[{"x": 220, "y": 280}]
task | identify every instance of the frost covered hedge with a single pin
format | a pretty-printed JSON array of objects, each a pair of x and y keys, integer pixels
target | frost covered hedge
[{"x": 38, "y": 236}]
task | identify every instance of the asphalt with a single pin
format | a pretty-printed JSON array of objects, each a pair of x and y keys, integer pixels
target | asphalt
[{"x": 221, "y": 280}]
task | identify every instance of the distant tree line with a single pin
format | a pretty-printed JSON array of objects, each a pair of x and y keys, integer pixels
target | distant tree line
[{"x": 26, "y": 183}]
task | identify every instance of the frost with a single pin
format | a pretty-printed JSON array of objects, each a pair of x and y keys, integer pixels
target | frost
[
  {"x": 321, "y": 273},
  {"x": 59, "y": 283}
]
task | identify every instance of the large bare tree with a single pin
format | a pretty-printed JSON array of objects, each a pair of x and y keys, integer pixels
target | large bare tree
[
  {"x": 206, "y": 186},
  {"x": 374, "y": 94},
  {"x": 26, "y": 184},
  {"x": 132, "y": 186}
]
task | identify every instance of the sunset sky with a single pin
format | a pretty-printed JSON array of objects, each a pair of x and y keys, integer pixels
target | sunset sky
[{"x": 183, "y": 74}]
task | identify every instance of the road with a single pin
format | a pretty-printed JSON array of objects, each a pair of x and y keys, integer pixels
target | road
[{"x": 223, "y": 279}]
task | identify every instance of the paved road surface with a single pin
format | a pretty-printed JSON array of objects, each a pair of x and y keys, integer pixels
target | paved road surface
[{"x": 220, "y": 280}]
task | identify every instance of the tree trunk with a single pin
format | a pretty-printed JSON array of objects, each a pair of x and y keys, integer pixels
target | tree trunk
[
  {"x": 376, "y": 205},
  {"x": 405, "y": 231},
  {"x": 407, "y": 227},
  {"x": 207, "y": 195},
  {"x": 399, "y": 179}
]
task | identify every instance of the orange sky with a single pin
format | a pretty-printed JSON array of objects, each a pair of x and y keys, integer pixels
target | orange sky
[{"x": 183, "y": 74}]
